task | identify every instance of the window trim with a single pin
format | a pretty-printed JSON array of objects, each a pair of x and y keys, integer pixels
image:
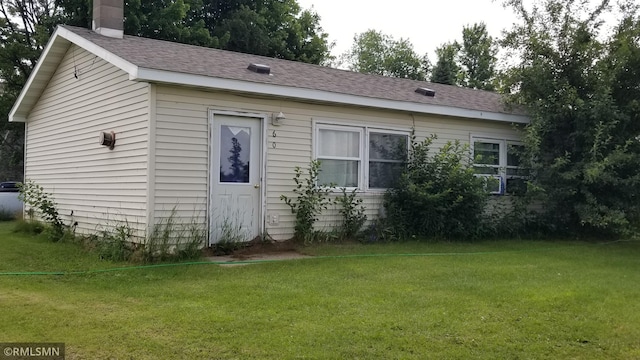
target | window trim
[
  {"x": 360, "y": 159},
  {"x": 502, "y": 176},
  {"x": 365, "y": 131},
  {"x": 384, "y": 132}
]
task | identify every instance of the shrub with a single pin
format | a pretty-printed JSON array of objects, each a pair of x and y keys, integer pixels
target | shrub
[
  {"x": 34, "y": 195},
  {"x": 30, "y": 227},
  {"x": 311, "y": 199},
  {"x": 437, "y": 195},
  {"x": 352, "y": 211},
  {"x": 380, "y": 230},
  {"x": 115, "y": 245}
]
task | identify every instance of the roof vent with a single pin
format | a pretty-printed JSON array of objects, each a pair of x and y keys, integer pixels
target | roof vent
[
  {"x": 426, "y": 92},
  {"x": 259, "y": 68}
]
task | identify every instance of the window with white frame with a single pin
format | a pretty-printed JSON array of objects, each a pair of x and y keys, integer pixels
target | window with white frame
[
  {"x": 359, "y": 157},
  {"x": 387, "y": 153},
  {"x": 499, "y": 161},
  {"x": 340, "y": 151}
]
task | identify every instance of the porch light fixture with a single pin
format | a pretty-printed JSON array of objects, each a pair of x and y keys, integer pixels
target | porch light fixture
[
  {"x": 108, "y": 139},
  {"x": 276, "y": 120}
]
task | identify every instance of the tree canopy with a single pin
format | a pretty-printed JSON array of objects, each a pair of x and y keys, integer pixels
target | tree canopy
[
  {"x": 376, "y": 53},
  {"x": 447, "y": 71},
  {"x": 274, "y": 28},
  {"x": 580, "y": 85},
  {"x": 471, "y": 63},
  {"x": 478, "y": 57},
  {"x": 25, "y": 28}
]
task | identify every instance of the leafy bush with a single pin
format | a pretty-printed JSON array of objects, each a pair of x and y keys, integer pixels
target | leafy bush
[
  {"x": 352, "y": 211},
  {"x": 311, "y": 199},
  {"x": 34, "y": 195},
  {"x": 27, "y": 226},
  {"x": 579, "y": 83},
  {"x": 115, "y": 245},
  {"x": 380, "y": 230},
  {"x": 437, "y": 195}
]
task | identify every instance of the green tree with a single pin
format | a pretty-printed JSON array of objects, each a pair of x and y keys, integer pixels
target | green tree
[
  {"x": 373, "y": 52},
  {"x": 580, "y": 86},
  {"x": 166, "y": 20},
  {"x": 25, "y": 27},
  {"x": 447, "y": 70},
  {"x": 437, "y": 194},
  {"x": 478, "y": 57},
  {"x": 274, "y": 28}
]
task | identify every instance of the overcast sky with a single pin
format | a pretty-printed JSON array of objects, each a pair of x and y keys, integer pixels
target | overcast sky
[{"x": 426, "y": 23}]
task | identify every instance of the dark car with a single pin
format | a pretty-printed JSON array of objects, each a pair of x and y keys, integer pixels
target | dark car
[{"x": 9, "y": 186}]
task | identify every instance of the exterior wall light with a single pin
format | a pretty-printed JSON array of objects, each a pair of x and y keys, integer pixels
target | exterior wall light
[{"x": 276, "y": 120}]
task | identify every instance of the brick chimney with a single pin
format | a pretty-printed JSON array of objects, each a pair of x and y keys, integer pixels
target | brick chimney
[{"x": 108, "y": 18}]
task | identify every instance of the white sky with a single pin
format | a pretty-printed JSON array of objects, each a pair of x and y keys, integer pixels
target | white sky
[{"x": 426, "y": 23}]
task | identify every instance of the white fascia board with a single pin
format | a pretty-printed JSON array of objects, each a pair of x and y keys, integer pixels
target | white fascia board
[
  {"x": 107, "y": 56},
  {"x": 162, "y": 76},
  {"x": 27, "y": 86}
]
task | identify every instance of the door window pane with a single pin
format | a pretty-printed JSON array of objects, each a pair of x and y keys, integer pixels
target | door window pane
[{"x": 235, "y": 152}]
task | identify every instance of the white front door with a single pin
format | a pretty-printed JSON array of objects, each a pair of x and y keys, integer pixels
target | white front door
[{"x": 236, "y": 155}]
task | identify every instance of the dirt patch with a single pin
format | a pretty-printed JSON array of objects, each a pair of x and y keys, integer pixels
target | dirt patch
[{"x": 258, "y": 250}]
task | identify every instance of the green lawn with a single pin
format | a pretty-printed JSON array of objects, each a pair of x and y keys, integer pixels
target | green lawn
[{"x": 492, "y": 300}]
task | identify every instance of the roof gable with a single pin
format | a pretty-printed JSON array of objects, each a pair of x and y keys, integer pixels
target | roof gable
[{"x": 167, "y": 62}]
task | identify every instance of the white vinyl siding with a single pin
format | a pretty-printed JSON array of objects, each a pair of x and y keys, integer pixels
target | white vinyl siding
[
  {"x": 182, "y": 150},
  {"x": 181, "y": 159},
  {"x": 102, "y": 187}
]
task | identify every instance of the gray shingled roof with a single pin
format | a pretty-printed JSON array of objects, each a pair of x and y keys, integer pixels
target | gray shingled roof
[{"x": 196, "y": 60}]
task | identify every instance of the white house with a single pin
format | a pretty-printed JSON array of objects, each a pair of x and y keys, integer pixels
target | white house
[{"x": 215, "y": 135}]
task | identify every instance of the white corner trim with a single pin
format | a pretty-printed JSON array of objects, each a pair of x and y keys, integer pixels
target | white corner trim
[{"x": 163, "y": 76}]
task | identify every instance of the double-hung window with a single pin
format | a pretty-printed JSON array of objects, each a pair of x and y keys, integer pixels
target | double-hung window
[
  {"x": 498, "y": 160},
  {"x": 387, "y": 154},
  {"x": 339, "y": 150},
  {"x": 359, "y": 157}
]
